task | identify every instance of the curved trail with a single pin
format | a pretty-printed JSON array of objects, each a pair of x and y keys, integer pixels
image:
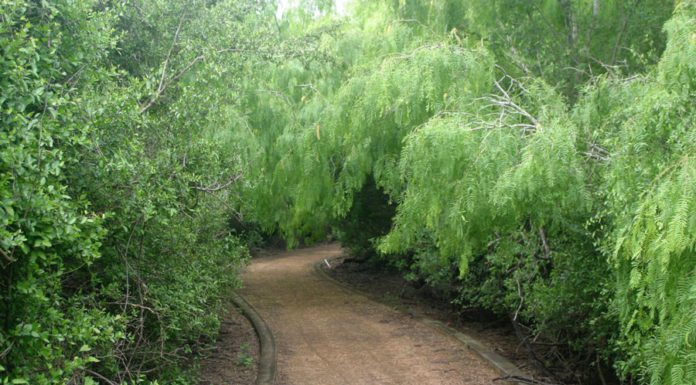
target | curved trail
[{"x": 326, "y": 335}]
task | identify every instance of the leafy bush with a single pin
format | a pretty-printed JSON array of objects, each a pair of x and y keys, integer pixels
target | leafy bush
[
  {"x": 48, "y": 334},
  {"x": 115, "y": 196}
]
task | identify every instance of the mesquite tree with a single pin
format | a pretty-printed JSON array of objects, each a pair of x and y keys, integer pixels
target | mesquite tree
[{"x": 538, "y": 154}]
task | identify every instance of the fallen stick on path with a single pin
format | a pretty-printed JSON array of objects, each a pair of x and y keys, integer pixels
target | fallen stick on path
[{"x": 521, "y": 380}]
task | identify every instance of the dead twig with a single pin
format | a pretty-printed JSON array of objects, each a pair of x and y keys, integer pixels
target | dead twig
[
  {"x": 5, "y": 352},
  {"x": 8, "y": 257},
  {"x": 528, "y": 347},
  {"x": 101, "y": 377},
  {"x": 162, "y": 86},
  {"x": 547, "y": 250},
  {"x": 520, "y": 379},
  {"x": 165, "y": 83},
  {"x": 217, "y": 186},
  {"x": 521, "y": 295},
  {"x": 506, "y": 101},
  {"x": 597, "y": 152}
]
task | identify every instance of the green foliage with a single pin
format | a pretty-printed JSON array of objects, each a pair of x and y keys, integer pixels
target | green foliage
[
  {"x": 531, "y": 158},
  {"x": 115, "y": 191},
  {"x": 565, "y": 42},
  {"x": 243, "y": 358},
  {"x": 496, "y": 171},
  {"x": 559, "y": 194},
  {"x": 653, "y": 246},
  {"x": 360, "y": 133},
  {"x": 45, "y": 234}
]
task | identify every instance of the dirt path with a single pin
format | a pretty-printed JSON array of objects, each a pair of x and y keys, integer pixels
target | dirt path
[{"x": 329, "y": 336}]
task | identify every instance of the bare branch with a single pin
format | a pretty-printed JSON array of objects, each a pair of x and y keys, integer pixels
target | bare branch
[
  {"x": 597, "y": 152},
  {"x": 7, "y": 350},
  {"x": 95, "y": 374},
  {"x": 521, "y": 295},
  {"x": 7, "y": 256},
  {"x": 165, "y": 83},
  {"x": 506, "y": 101},
  {"x": 547, "y": 250},
  {"x": 217, "y": 186},
  {"x": 162, "y": 86}
]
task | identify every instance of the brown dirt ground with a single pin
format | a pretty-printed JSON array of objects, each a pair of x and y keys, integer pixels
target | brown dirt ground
[
  {"x": 327, "y": 335},
  {"x": 234, "y": 359},
  {"x": 389, "y": 287}
]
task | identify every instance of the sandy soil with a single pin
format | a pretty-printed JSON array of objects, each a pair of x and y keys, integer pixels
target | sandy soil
[
  {"x": 330, "y": 336},
  {"x": 235, "y": 357},
  {"x": 389, "y": 287}
]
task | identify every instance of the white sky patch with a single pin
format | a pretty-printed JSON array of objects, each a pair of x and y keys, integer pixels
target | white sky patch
[{"x": 284, "y": 5}]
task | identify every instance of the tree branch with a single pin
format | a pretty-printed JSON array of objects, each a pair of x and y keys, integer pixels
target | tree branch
[
  {"x": 162, "y": 86},
  {"x": 218, "y": 186}
]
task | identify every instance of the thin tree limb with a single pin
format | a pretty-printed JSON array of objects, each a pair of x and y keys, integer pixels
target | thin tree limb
[{"x": 218, "y": 186}]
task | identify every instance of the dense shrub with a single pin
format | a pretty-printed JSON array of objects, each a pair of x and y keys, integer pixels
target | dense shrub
[
  {"x": 115, "y": 194},
  {"x": 51, "y": 326}
]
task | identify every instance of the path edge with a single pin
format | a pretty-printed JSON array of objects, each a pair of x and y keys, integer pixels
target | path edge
[
  {"x": 267, "y": 356},
  {"x": 501, "y": 364}
]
